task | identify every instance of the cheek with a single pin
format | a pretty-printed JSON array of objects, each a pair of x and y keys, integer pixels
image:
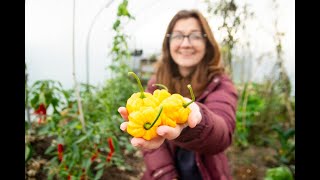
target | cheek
[
  {"x": 173, "y": 50},
  {"x": 201, "y": 52}
]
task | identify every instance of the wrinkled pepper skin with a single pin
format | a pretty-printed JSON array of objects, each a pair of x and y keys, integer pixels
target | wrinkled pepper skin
[
  {"x": 138, "y": 119},
  {"x": 160, "y": 95},
  {"x": 165, "y": 120},
  {"x": 135, "y": 102},
  {"x": 173, "y": 108}
]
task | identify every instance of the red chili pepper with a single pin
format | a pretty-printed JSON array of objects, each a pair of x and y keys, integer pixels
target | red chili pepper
[
  {"x": 60, "y": 152},
  {"x": 94, "y": 156},
  {"x": 111, "y": 149},
  {"x": 69, "y": 177},
  {"x": 111, "y": 144},
  {"x": 109, "y": 156},
  {"x": 42, "y": 112}
]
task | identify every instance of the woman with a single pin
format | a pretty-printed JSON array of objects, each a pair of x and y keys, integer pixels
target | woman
[{"x": 195, "y": 150}]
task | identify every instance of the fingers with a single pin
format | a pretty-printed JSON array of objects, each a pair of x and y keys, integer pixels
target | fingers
[
  {"x": 194, "y": 119},
  {"x": 170, "y": 132},
  {"x": 123, "y": 126},
  {"x": 123, "y": 112},
  {"x": 195, "y": 116},
  {"x": 144, "y": 144}
]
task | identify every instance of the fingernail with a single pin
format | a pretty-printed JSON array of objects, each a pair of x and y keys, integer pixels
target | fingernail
[{"x": 122, "y": 128}]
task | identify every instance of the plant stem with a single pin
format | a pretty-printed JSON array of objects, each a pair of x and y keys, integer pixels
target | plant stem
[
  {"x": 147, "y": 126},
  {"x": 77, "y": 91},
  {"x": 142, "y": 95},
  {"x": 161, "y": 85},
  {"x": 192, "y": 96}
]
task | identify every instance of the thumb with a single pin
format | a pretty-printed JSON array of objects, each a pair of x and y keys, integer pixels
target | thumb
[{"x": 195, "y": 116}]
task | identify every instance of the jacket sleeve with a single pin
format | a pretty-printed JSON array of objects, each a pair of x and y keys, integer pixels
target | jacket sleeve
[
  {"x": 214, "y": 133},
  {"x": 159, "y": 162}
]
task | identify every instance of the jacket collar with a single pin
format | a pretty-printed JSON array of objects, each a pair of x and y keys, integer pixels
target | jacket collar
[{"x": 213, "y": 84}]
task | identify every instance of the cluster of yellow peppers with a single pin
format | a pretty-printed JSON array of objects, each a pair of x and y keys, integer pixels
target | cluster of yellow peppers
[{"x": 147, "y": 111}]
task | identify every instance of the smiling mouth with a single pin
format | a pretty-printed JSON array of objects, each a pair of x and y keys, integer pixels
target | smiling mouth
[{"x": 186, "y": 53}]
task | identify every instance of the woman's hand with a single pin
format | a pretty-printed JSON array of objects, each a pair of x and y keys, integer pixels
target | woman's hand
[
  {"x": 195, "y": 116},
  {"x": 164, "y": 132}
]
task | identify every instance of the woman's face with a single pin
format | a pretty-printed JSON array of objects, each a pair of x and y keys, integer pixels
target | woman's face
[{"x": 187, "y": 52}]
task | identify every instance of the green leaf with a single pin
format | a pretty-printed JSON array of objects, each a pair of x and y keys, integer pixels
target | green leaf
[
  {"x": 81, "y": 139},
  {"x": 278, "y": 173},
  {"x": 99, "y": 166},
  {"x": 28, "y": 153},
  {"x": 34, "y": 101},
  {"x": 116, "y": 24},
  {"x": 50, "y": 149},
  {"x": 87, "y": 164},
  {"x": 99, "y": 174},
  {"x": 289, "y": 133}
]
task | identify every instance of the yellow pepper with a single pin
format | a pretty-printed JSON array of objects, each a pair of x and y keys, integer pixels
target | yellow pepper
[
  {"x": 165, "y": 120},
  {"x": 144, "y": 123},
  {"x": 145, "y": 110},
  {"x": 140, "y": 99},
  {"x": 162, "y": 94},
  {"x": 176, "y": 108}
]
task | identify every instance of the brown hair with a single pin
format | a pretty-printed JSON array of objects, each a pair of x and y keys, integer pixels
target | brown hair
[{"x": 211, "y": 65}]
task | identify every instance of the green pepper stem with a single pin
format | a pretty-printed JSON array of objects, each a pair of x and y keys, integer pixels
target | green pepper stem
[
  {"x": 139, "y": 84},
  {"x": 161, "y": 85},
  {"x": 147, "y": 126},
  {"x": 192, "y": 96}
]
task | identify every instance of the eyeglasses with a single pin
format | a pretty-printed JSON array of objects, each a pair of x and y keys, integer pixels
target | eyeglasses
[{"x": 194, "y": 38}]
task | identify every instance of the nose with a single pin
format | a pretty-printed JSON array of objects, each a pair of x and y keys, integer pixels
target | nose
[{"x": 185, "y": 42}]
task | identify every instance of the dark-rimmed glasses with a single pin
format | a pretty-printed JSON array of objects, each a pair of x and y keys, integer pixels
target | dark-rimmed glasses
[{"x": 194, "y": 38}]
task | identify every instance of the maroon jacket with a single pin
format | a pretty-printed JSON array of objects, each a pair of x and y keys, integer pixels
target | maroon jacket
[{"x": 209, "y": 139}]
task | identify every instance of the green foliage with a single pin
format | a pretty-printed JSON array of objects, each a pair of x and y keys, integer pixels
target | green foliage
[
  {"x": 122, "y": 9},
  {"x": 47, "y": 92},
  {"x": 285, "y": 146},
  {"x": 278, "y": 173},
  {"x": 249, "y": 109},
  {"x": 87, "y": 153},
  {"x": 263, "y": 120},
  {"x": 102, "y": 122},
  {"x": 80, "y": 147},
  {"x": 28, "y": 152}
]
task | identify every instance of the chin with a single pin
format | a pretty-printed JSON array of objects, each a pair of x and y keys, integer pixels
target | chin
[
  {"x": 184, "y": 65},
  {"x": 187, "y": 62}
]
